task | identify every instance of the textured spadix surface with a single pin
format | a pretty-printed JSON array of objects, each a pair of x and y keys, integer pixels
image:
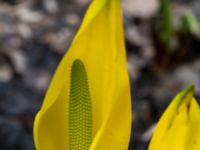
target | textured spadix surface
[
  {"x": 179, "y": 127},
  {"x": 89, "y": 94},
  {"x": 80, "y": 113}
]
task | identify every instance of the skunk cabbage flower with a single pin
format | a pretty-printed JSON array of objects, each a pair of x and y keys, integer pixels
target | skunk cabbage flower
[
  {"x": 87, "y": 105},
  {"x": 179, "y": 127}
]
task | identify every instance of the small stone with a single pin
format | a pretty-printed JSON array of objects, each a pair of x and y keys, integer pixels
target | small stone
[
  {"x": 29, "y": 16},
  {"x": 6, "y": 73},
  {"x": 14, "y": 42},
  {"x": 19, "y": 60},
  {"x": 148, "y": 52},
  {"x": 42, "y": 81},
  {"x": 59, "y": 41},
  {"x": 51, "y": 6},
  {"x": 134, "y": 36},
  {"x": 141, "y": 8},
  {"x": 24, "y": 30},
  {"x": 72, "y": 19},
  {"x": 82, "y": 2},
  {"x": 133, "y": 70},
  {"x": 146, "y": 136},
  {"x": 189, "y": 75}
]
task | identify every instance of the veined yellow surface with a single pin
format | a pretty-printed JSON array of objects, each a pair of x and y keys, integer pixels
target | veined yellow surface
[
  {"x": 87, "y": 105},
  {"x": 179, "y": 127}
]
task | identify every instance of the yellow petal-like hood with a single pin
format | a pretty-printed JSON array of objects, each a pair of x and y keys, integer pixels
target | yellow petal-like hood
[
  {"x": 95, "y": 63},
  {"x": 179, "y": 127}
]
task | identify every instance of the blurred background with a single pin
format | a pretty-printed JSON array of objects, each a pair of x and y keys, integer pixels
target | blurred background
[{"x": 163, "y": 56}]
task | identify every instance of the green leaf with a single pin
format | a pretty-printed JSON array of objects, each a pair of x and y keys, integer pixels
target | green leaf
[
  {"x": 189, "y": 23},
  {"x": 166, "y": 33}
]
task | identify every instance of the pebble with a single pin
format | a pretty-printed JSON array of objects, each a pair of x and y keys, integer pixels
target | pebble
[
  {"x": 6, "y": 73},
  {"x": 139, "y": 8}
]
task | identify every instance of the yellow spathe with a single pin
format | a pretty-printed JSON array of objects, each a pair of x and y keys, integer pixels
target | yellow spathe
[
  {"x": 179, "y": 127},
  {"x": 96, "y": 57}
]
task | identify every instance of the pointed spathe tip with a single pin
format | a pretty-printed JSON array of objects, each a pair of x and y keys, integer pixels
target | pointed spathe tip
[
  {"x": 188, "y": 90},
  {"x": 185, "y": 95}
]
